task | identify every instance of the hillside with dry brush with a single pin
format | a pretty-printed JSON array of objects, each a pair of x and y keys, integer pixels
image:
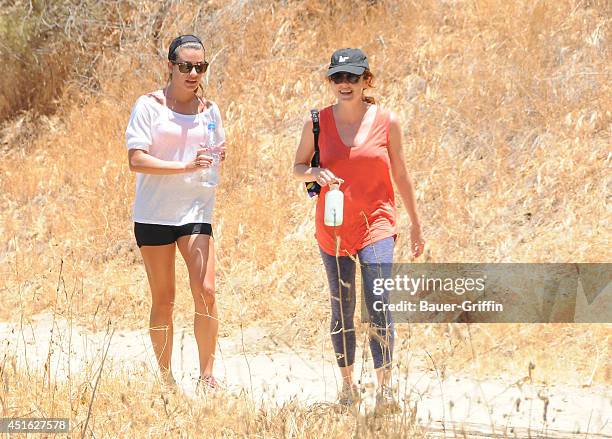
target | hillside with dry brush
[{"x": 507, "y": 116}]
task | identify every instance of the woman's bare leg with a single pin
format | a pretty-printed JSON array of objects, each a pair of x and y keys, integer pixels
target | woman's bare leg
[
  {"x": 159, "y": 263},
  {"x": 199, "y": 255},
  {"x": 383, "y": 376},
  {"x": 347, "y": 374}
]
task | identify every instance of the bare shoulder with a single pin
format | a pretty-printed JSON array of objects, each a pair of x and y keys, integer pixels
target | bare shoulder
[
  {"x": 307, "y": 124},
  {"x": 393, "y": 119},
  {"x": 154, "y": 96},
  {"x": 395, "y": 129}
]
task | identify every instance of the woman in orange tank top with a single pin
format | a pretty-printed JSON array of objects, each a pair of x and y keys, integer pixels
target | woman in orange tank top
[{"x": 360, "y": 147}]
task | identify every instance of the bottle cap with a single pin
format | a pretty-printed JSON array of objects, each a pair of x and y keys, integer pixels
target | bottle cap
[{"x": 212, "y": 126}]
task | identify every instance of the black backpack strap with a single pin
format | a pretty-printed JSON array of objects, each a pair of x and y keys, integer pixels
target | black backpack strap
[
  {"x": 316, "y": 129},
  {"x": 313, "y": 187}
]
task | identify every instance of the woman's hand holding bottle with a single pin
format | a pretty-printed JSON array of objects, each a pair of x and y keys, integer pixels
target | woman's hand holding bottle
[
  {"x": 215, "y": 153},
  {"x": 212, "y": 155},
  {"x": 324, "y": 176},
  {"x": 201, "y": 160}
]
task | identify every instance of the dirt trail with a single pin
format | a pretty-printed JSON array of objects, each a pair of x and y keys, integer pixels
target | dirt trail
[{"x": 271, "y": 372}]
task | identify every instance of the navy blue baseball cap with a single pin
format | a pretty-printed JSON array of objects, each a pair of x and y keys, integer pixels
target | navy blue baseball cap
[
  {"x": 348, "y": 60},
  {"x": 178, "y": 41}
]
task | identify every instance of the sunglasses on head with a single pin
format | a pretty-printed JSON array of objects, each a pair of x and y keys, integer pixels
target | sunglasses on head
[
  {"x": 187, "y": 67},
  {"x": 340, "y": 77}
]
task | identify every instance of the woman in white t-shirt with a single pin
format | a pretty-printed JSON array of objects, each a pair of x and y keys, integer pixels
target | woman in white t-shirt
[{"x": 175, "y": 139}]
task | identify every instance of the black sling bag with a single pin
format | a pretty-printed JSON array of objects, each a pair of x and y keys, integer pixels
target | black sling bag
[{"x": 312, "y": 187}]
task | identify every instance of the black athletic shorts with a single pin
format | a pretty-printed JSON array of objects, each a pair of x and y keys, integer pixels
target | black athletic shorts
[{"x": 157, "y": 234}]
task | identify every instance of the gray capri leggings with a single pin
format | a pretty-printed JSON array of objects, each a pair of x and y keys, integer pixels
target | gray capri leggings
[{"x": 375, "y": 261}]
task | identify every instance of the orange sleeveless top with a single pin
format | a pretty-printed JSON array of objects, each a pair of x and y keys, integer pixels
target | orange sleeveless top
[{"x": 369, "y": 202}]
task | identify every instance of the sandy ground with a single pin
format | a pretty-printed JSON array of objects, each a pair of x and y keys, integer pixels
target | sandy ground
[{"x": 263, "y": 367}]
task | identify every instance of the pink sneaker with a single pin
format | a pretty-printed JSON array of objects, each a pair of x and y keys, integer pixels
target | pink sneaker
[{"x": 207, "y": 384}]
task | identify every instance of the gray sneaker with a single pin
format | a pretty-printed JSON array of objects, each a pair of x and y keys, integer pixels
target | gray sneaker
[
  {"x": 349, "y": 395},
  {"x": 385, "y": 401}
]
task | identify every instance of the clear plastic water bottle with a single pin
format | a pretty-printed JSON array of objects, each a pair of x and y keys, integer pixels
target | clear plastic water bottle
[
  {"x": 210, "y": 176},
  {"x": 334, "y": 206}
]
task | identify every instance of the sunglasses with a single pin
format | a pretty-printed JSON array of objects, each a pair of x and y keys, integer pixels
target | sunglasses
[
  {"x": 340, "y": 77},
  {"x": 187, "y": 67}
]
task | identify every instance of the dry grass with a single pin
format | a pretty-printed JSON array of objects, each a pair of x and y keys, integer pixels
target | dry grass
[
  {"x": 507, "y": 116},
  {"x": 129, "y": 406}
]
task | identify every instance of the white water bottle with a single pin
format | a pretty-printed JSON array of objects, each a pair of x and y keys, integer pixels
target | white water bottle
[
  {"x": 210, "y": 176},
  {"x": 334, "y": 206}
]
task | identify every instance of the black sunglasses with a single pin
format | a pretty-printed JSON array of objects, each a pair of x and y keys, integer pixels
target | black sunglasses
[
  {"x": 340, "y": 77},
  {"x": 186, "y": 67}
]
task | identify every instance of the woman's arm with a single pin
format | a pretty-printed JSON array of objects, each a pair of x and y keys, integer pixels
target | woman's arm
[
  {"x": 301, "y": 165},
  {"x": 139, "y": 138},
  {"x": 404, "y": 183},
  {"x": 141, "y": 161}
]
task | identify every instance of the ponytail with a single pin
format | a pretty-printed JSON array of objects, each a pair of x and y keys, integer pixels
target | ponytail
[
  {"x": 368, "y": 77},
  {"x": 368, "y": 99}
]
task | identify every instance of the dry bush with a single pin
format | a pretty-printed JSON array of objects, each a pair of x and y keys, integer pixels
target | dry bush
[
  {"x": 53, "y": 49},
  {"x": 129, "y": 406}
]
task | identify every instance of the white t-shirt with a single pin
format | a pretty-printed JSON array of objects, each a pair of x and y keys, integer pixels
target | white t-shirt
[{"x": 175, "y": 199}]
